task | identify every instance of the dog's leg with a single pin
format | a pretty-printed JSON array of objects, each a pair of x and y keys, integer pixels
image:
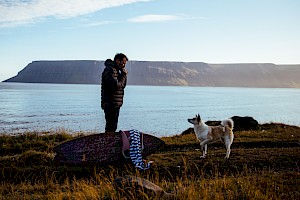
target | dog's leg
[
  {"x": 228, "y": 142},
  {"x": 204, "y": 151},
  {"x": 227, "y": 145},
  {"x": 203, "y": 145},
  {"x": 227, "y": 151}
]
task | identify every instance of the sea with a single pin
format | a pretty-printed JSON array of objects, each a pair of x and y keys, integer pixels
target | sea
[{"x": 157, "y": 110}]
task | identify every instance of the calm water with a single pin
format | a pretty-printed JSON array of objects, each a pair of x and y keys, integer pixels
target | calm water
[{"x": 158, "y": 110}]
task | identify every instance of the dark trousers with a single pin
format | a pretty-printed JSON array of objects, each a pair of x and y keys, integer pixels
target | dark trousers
[{"x": 111, "y": 117}]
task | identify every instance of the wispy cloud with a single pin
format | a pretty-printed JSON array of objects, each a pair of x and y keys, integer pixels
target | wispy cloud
[
  {"x": 20, "y": 12},
  {"x": 157, "y": 18},
  {"x": 98, "y": 23}
]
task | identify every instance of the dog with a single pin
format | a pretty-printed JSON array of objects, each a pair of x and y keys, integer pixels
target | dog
[{"x": 208, "y": 134}]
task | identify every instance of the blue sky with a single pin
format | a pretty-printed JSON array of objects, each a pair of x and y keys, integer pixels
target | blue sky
[{"x": 212, "y": 31}]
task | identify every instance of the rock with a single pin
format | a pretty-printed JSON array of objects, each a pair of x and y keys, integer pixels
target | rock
[
  {"x": 188, "y": 131},
  {"x": 244, "y": 123},
  {"x": 213, "y": 123},
  {"x": 130, "y": 185}
]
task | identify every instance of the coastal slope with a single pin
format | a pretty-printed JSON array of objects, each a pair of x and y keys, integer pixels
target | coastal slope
[{"x": 164, "y": 73}]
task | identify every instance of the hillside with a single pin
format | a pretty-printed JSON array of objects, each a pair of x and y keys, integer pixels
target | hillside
[{"x": 165, "y": 73}]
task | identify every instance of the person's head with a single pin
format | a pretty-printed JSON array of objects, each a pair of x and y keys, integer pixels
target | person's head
[{"x": 120, "y": 59}]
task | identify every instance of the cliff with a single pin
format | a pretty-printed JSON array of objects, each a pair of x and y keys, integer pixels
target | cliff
[
  {"x": 165, "y": 73},
  {"x": 81, "y": 72}
]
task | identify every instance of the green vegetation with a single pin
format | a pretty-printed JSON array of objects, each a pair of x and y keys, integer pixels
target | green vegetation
[{"x": 264, "y": 164}]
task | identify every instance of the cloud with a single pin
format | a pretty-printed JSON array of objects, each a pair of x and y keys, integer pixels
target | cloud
[
  {"x": 157, "y": 18},
  {"x": 20, "y": 12},
  {"x": 154, "y": 18},
  {"x": 98, "y": 23}
]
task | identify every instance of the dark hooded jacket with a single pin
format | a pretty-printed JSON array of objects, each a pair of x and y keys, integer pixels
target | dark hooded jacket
[{"x": 112, "y": 85}]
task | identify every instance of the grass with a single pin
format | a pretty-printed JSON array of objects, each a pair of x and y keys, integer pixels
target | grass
[{"x": 264, "y": 164}]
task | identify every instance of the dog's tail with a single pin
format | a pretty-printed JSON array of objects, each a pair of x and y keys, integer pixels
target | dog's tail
[{"x": 228, "y": 122}]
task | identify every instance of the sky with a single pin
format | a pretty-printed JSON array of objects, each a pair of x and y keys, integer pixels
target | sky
[{"x": 211, "y": 31}]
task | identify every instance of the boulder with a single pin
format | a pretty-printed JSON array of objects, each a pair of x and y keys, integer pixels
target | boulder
[{"x": 244, "y": 123}]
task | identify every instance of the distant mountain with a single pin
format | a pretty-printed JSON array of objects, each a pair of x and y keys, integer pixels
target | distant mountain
[{"x": 165, "y": 73}]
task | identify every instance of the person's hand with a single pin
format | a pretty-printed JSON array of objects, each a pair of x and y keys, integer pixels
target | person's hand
[{"x": 124, "y": 71}]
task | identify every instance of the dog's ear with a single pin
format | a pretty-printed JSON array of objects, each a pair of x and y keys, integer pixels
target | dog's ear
[{"x": 198, "y": 118}]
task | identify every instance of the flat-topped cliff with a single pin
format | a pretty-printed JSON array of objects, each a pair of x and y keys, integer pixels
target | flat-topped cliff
[{"x": 165, "y": 73}]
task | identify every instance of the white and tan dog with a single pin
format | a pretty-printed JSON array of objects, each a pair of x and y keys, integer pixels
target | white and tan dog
[{"x": 208, "y": 134}]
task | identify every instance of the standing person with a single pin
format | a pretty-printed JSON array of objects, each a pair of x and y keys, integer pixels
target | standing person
[{"x": 114, "y": 78}]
